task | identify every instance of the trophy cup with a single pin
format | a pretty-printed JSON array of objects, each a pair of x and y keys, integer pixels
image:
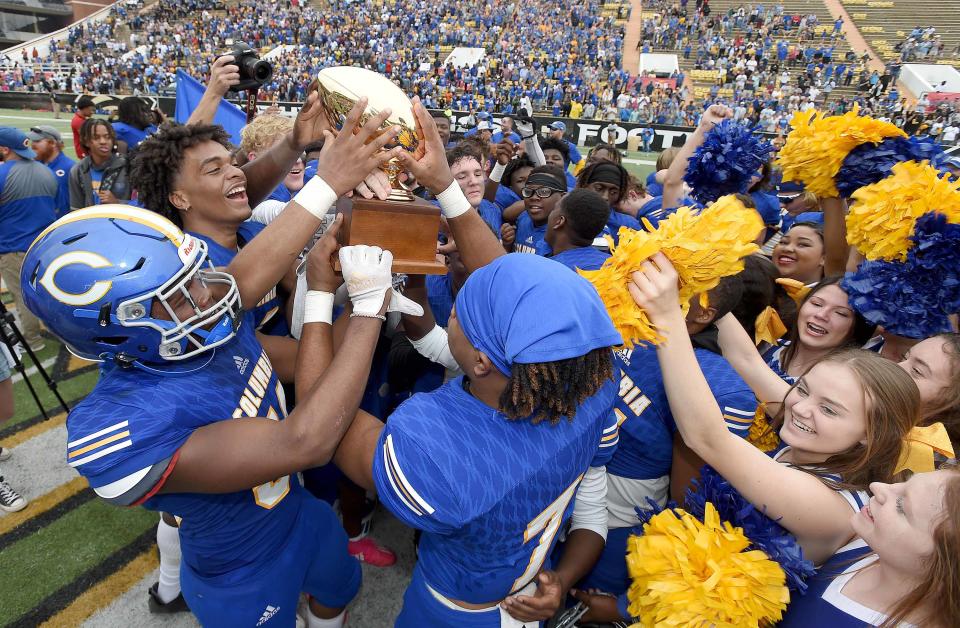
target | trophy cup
[{"x": 405, "y": 225}]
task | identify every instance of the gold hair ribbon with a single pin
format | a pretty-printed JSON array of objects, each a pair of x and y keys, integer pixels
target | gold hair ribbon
[
  {"x": 796, "y": 290},
  {"x": 768, "y": 327},
  {"x": 921, "y": 447}
]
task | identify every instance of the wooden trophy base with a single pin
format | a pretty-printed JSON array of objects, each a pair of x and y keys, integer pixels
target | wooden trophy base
[{"x": 407, "y": 228}]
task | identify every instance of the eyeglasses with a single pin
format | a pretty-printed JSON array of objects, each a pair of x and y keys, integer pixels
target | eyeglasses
[{"x": 542, "y": 192}]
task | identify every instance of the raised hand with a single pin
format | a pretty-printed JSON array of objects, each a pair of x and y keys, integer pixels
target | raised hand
[
  {"x": 320, "y": 273},
  {"x": 429, "y": 162},
  {"x": 366, "y": 271},
  {"x": 655, "y": 288},
  {"x": 347, "y": 159}
]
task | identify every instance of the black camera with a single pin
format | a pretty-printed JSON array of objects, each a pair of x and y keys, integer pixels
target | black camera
[{"x": 254, "y": 71}]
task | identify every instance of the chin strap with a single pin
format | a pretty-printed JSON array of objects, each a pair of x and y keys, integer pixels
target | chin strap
[{"x": 172, "y": 370}]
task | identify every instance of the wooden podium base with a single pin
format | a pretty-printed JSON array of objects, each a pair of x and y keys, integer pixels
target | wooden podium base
[{"x": 408, "y": 229}]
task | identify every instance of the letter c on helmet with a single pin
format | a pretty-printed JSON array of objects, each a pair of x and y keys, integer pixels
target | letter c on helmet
[{"x": 87, "y": 258}]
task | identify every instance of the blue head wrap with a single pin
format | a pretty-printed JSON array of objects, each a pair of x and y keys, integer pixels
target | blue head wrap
[{"x": 526, "y": 309}]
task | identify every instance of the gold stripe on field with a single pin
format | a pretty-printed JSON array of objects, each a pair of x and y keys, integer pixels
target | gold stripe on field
[
  {"x": 106, "y": 591},
  {"x": 42, "y": 504},
  {"x": 23, "y": 436}
]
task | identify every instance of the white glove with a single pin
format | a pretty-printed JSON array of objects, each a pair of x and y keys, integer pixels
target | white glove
[
  {"x": 524, "y": 128},
  {"x": 366, "y": 273},
  {"x": 404, "y": 305}
]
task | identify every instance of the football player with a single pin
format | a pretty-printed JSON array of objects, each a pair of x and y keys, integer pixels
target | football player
[
  {"x": 188, "y": 416},
  {"x": 487, "y": 466}
]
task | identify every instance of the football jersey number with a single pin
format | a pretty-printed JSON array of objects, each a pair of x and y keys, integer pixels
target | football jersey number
[
  {"x": 546, "y": 524},
  {"x": 270, "y": 494}
]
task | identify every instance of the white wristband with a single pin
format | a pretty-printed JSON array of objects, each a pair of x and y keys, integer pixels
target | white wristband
[
  {"x": 316, "y": 197},
  {"x": 318, "y": 307},
  {"x": 452, "y": 201},
  {"x": 497, "y": 173}
]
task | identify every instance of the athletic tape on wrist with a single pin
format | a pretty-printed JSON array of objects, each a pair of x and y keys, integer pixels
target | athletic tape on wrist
[
  {"x": 452, "y": 201},
  {"x": 318, "y": 307},
  {"x": 316, "y": 197},
  {"x": 497, "y": 173}
]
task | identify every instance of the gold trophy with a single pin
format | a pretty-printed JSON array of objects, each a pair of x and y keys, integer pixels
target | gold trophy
[{"x": 405, "y": 225}]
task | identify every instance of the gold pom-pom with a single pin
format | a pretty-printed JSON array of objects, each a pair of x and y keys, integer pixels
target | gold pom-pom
[
  {"x": 688, "y": 573},
  {"x": 704, "y": 247},
  {"x": 817, "y": 145},
  {"x": 761, "y": 434},
  {"x": 883, "y": 215}
]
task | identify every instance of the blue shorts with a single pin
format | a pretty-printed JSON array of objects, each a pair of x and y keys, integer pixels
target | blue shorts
[
  {"x": 421, "y": 608},
  {"x": 610, "y": 573},
  {"x": 314, "y": 560}
]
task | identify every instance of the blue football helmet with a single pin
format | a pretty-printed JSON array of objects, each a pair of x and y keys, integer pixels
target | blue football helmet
[{"x": 94, "y": 276}]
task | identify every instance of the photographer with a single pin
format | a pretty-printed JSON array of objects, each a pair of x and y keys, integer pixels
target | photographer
[{"x": 238, "y": 69}]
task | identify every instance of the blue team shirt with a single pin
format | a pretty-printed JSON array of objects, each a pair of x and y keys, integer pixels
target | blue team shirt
[
  {"x": 773, "y": 357},
  {"x": 440, "y": 297},
  {"x": 491, "y": 214},
  {"x": 133, "y": 423},
  {"x": 617, "y": 220},
  {"x": 60, "y": 167},
  {"x": 131, "y": 134},
  {"x": 530, "y": 237},
  {"x": 646, "y": 423},
  {"x": 505, "y": 197},
  {"x": 489, "y": 493},
  {"x": 28, "y": 192},
  {"x": 582, "y": 257},
  {"x": 266, "y": 311}
]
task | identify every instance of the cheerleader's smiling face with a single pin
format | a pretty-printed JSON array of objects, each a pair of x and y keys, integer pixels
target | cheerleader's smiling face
[
  {"x": 799, "y": 254},
  {"x": 900, "y": 520},
  {"x": 930, "y": 366},
  {"x": 824, "y": 413},
  {"x": 825, "y": 320}
]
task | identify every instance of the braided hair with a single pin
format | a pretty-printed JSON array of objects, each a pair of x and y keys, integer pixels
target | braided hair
[
  {"x": 551, "y": 390},
  {"x": 159, "y": 158}
]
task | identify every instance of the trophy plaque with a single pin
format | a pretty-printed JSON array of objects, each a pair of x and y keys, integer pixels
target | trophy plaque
[{"x": 404, "y": 224}]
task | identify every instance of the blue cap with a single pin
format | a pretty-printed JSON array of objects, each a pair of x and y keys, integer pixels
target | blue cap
[
  {"x": 558, "y": 126},
  {"x": 17, "y": 141}
]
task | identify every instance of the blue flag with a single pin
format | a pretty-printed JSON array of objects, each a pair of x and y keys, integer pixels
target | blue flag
[{"x": 189, "y": 93}]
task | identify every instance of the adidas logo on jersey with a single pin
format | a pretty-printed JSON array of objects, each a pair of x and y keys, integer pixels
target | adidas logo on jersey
[
  {"x": 241, "y": 363},
  {"x": 268, "y": 614}
]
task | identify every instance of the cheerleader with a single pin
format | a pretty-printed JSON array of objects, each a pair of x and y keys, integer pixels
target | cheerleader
[{"x": 842, "y": 423}]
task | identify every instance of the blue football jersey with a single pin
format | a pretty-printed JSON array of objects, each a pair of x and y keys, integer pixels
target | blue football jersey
[
  {"x": 490, "y": 494},
  {"x": 646, "y": 423},
  {"x": 491, "y": 214},
  {"x": 530, "y": 237},
  {"x": 124, "y": 438},
  {"x": 582, "y": 257},
  {"x": 267, "y": 312}
]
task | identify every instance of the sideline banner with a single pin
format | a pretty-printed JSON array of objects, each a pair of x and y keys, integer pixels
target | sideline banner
[{"x": 580, "y": 131}]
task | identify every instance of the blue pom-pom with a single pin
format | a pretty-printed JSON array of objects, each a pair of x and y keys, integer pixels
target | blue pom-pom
[
  {"x": 869, "y": 163},
  {"x": 646, "y": 514},
  {"x": 914, "y": 298},
  {"x": 764, "y": 533},
  {"x": 731, "y": 154}
]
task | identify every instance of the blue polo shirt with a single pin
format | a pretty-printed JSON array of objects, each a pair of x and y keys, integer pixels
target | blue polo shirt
[
  {"x": 60, "y": 167},
  {"x": 28, "y": 192}
]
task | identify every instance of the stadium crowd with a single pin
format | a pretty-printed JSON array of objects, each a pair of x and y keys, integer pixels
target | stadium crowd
[{"x": 765, "y": 333}]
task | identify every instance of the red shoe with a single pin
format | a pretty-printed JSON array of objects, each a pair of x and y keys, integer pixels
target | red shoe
[{"x": 366, "y": 550}]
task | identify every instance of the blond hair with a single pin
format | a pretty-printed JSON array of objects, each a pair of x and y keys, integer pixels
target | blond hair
[{"x": 264, "y": 132}]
